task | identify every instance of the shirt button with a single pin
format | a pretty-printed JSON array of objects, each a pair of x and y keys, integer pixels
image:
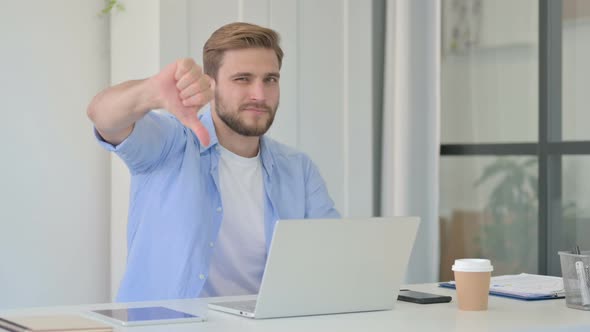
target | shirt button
[
  {"x": 219, "y": 209},
  {"x": 217, "y": 147},
  {"x": 201, "y": 276},
  {"x": 211, "y": 244}
]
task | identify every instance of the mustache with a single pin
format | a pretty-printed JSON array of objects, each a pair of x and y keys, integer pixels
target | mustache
[{"x": 255, "y": 105}]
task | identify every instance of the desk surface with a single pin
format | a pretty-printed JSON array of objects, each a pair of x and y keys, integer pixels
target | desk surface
[{"x": 503, "y": 315}]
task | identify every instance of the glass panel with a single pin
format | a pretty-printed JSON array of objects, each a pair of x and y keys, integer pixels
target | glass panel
[
  {"x": 576, "y": 69},
  {"x": 576, "y": 202},
  {"x": 489, "y": 209},
  {"x": 489, "y": 71}
]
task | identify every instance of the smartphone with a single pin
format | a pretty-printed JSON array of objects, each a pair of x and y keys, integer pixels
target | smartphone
[{"x": 421, "y": 297}]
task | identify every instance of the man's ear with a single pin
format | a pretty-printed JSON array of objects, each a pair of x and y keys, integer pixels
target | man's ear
[{"x": 213, "y": 83}]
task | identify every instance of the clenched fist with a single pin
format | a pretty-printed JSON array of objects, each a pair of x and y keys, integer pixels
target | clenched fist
[{"x": 183, "y": 90}]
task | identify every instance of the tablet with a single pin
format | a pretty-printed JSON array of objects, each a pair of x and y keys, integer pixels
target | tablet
[{"x": 148, "y": 315}]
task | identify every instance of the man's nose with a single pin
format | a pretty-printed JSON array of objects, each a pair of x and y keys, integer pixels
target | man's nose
[{"x": 257, "y": 91}]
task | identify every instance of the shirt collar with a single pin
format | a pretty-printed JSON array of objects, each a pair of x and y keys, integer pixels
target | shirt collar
[
  {"x": 207, "y": 121},
  {"x": 265, "y": 143},
  {"x": 266, "y": 154}
]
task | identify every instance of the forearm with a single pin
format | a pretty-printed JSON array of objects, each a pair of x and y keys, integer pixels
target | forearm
[{"x": 114, "y": 110}]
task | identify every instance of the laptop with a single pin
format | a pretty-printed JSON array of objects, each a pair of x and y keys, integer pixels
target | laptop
[{"x": 328, "y": 266}]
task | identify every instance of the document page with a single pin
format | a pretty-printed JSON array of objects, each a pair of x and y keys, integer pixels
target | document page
[{"x": 525, "y": 284}]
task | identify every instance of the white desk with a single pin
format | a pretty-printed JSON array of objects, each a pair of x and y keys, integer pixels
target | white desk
[{"x": 503, "y": 315}]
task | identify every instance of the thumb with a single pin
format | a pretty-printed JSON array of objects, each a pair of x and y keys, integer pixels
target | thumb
[{"x": 199, "y": 129}]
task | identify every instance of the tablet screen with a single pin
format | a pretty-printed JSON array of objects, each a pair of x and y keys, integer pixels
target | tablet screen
[{"x": 146, "y": 315}]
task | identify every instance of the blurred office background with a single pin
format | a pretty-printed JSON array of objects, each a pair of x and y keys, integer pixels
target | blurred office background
[{"x": 468, "y": 113}]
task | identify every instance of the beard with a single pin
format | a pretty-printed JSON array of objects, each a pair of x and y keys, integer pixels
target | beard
[{"x": 233, "y": 120}]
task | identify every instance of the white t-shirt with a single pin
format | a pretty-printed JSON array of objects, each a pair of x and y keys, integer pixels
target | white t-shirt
[{"x": 239, "y": 255}]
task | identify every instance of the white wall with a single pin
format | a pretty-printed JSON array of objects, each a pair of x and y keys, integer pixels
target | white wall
[
  {"x": 326, "y": 105},
  {"x": 54, "y": 230}
]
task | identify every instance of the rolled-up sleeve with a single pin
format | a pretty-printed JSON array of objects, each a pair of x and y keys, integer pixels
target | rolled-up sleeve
[{"x": 154, "y": 137}]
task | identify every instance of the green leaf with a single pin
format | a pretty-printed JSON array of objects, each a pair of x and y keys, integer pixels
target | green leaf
[
  {"x": 491, "y": 170},
  {"x": 534, "y": 183},
  {"x": 110, "y": 4},
  {"x": 530, "y": 162}
]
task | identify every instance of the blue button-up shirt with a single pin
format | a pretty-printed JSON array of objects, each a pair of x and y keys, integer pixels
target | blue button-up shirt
[{"x": 175, "y": 208}]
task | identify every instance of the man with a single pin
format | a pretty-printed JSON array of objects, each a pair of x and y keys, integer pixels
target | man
[{"x": 206, "y": 191}]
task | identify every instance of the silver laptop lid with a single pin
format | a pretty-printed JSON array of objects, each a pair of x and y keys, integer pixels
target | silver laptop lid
[{"x": 335, "y": 266}]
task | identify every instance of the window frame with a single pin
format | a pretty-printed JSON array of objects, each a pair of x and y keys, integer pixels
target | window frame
[{"x": 550, "y": 148}]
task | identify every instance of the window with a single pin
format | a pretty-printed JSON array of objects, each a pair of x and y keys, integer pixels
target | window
[{"x": 514, "y": 132}]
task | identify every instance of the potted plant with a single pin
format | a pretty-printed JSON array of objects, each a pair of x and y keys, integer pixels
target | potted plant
[{"x": 509, "y": 236}]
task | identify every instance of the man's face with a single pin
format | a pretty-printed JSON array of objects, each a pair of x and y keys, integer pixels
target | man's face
[{"x": 247, "y": 90}]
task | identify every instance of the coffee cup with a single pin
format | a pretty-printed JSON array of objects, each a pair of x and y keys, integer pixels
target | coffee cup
[{"x": 472, "y": 280}]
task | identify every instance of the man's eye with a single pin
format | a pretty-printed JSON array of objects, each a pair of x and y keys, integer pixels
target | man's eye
[
  {"x": 272, "y": 79},
  {"x": 241, "y": 79}
]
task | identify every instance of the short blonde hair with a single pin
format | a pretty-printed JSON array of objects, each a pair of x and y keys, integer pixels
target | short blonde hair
[{"x": 238, "y": 35}]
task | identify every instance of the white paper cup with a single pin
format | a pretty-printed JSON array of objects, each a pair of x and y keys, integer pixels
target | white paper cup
[{"x": 472, "y": 280}]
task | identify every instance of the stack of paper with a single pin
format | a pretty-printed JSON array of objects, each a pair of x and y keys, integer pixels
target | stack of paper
[
  {"x": 524, "y": 286},
  {"x": 52, "y": 323}
]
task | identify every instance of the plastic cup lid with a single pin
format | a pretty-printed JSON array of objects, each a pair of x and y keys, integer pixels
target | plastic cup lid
[{"x": 473, "y": 265}]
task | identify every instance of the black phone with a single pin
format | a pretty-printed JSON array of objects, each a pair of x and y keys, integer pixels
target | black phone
[{"x": 421, "y": 297}]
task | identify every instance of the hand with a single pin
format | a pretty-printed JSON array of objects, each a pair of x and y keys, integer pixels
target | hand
[{"x": 183, "y": 90}]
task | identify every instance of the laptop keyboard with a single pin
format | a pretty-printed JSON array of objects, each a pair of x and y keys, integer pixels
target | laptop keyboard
[{"x": 247, "y": 306}]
